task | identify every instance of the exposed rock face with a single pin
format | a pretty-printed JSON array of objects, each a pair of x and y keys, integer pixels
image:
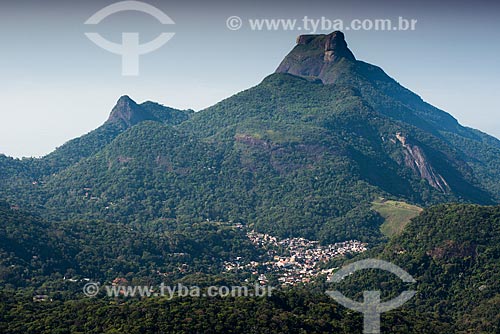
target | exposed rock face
[
  {"x": 128, "y": 113},
  {"x": 315, "y": 54},
  {"x": 451, "y": 249},
  {"x": 416, "y": 160},
  {"x": 336, "y": 48}
]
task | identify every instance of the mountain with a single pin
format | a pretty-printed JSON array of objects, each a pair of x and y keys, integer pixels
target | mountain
[
  {"x": 125, "y": 114},
  {"x": 328, "y": 148},
  {"x": 327, "y": 58},
  {"x": 304, "y": 153},
  {"x": 22, "y": 175}
]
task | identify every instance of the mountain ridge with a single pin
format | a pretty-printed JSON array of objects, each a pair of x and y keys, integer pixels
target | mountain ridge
[{"x": 276, "y": 155}]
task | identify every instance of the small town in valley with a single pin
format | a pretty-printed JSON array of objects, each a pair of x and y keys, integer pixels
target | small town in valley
[{"x": 292, "y": 260}]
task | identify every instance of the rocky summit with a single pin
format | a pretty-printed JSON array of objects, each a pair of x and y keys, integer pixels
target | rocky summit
[
  {"x": 315, "y": 54},
  {"x": 128, "y": 113}
]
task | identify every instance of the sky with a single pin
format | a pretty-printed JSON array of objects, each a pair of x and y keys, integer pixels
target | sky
[{"x": 56, "y": 84}]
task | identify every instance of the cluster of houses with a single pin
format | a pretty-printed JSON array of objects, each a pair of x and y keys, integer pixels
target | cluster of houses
[{"x": 293, "y": 260}]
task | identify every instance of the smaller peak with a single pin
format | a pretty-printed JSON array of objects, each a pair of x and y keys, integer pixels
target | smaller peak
[
  {"x": 127, "y": 112},
  {"x": 125, "y": 99}
]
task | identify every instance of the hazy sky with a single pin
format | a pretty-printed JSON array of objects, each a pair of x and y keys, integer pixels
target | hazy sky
[{"x": 56, "y": 84}]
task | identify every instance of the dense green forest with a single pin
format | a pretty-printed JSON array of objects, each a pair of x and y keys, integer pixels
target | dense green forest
[
  {"x": 38, "y": 254},
  {"x": 451, "y": 250},
  {"x": 327, "y": 150}
]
